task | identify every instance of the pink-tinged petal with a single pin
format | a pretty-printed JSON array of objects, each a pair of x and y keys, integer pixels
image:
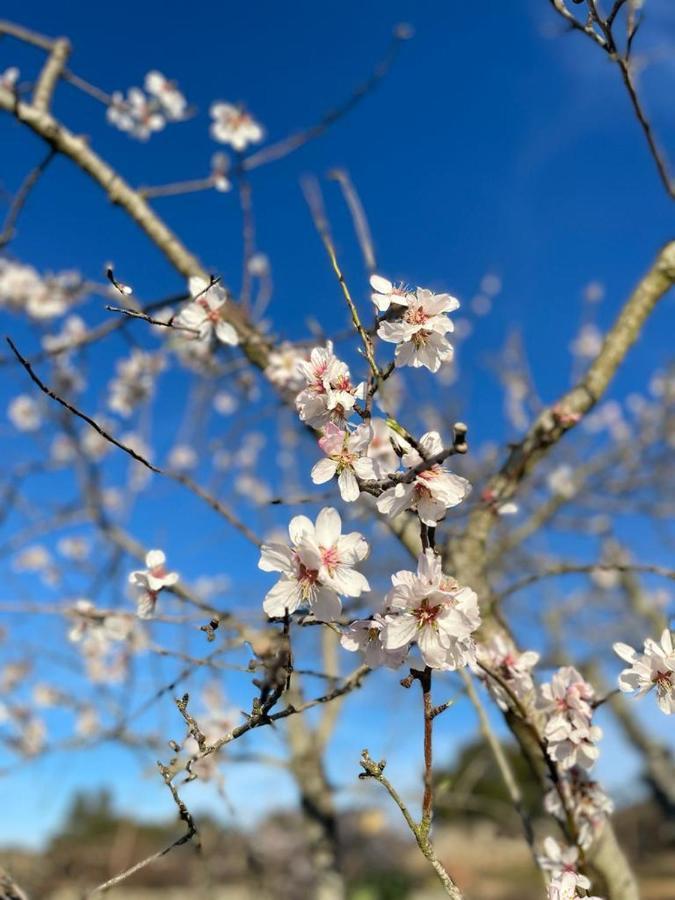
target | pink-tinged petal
[
  {"x": 285, "y": 595},
  {"x": 430, "y": 511},
  {"x": 300, "y": 527},
  {"x": 326, "y": 605},
  {"x": 197, "y": 285},
  {"x": 226, "y": 333},
  {"x": 309, "y": 553},
  {"x": 346, "y": 581},
  {"x": 328, "y": 526},
  {"x": 275, "y": 558},
  {"x": 349, "y": 486},
  {"x": 394, "y": 500},
  {"x": 399, "y": 631},
  {"x": 381, "y": 285},
  {"x": 323, "y": 471},
  {"x": 624, "y": 651},
  {"x": 431, "y": 443},
  {"x": 381, "y": 301},
  {"x": 365, "y": 468},
  {"x": 629, "y": 680},
  {"x": 395, "y": 332},
  {"x": 352, "y": 548},
  {"x": 433, "y": 653}
]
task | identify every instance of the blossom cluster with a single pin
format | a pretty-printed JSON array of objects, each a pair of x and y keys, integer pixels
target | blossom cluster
[
  {"x": 419, "y": 324},
  {"x": 563, "y": 865},
  {"x": 425, "y": 608},
  {"x": 234, "y": 125},
  {"x": 570, "y": 736},
  {"x": 143, "y": 112},
  {"x": 42, "y": 297},
  {"x": 134, "y": 382}
]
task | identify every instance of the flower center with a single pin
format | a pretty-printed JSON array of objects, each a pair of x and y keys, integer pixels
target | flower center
[
  {"x": 416, "y": 315},
  {"x": 664, "y": 684},
  {"x": 329, "y": 557},
  {"x": 425, "y": 614}
]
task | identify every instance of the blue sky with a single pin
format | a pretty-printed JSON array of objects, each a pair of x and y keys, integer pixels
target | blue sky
[{"x": 495, "y": 144}]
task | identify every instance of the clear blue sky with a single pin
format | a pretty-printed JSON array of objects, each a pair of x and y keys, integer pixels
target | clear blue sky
[{"x": 496, "y": 144}]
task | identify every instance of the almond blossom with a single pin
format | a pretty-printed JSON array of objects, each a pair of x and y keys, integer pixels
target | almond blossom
[
  {"x": 171, "y": 102},
  {"x": 317, "y": 567},
  {"x": 136, "y": 114},
  {"x": 135, "y": 381},
  {"x": 24, "y": 413},
  {"x": 420, "y": 332},
  {"x": 23, "y": 289},
  {"x": 345, "y": 457},
  {"x": 560, "y": 860},
  {"x": 234, "y": 125},
  {"x": 655, "y": 668},
  {"x": 584, "y": 799},
  {"x": 203, "y": 316},
  {"x": 385, "y": 293},
  {"x": 564, "y": 887},
  {"x": 328, "y": 395},
  {"x": 569, "y": 734},
  {"x": 513, "y": 668},
  {"x": 435, "y": 612},
  {"x": 365, "y": 636},
  {"x": 150, "y": 581},
  {"x": 282, "y": 367},
  {"x": 431, "y": 492}
]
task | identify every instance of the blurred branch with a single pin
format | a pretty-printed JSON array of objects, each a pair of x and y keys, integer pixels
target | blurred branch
[{"x": 601, "y": 30}]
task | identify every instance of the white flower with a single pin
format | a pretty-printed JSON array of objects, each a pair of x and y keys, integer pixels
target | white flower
[
  {"x": 75, "y": 548},
  {"x": 586, "y": 800},
  {"x": 564, "y": 887},
  {"x": 431, "y": 492},
  {"x": 134, "y": 382},
  {"x": 655, "y": 668},
  {"x": 329, "y": 395},
  {"x": 588, "y": 342},
  {"x": 9, "y": 78},
  {"x": 435, "y": 612},
  {"x": 172, "y": 103},
  {"x": 204, "y": 314},
  {"x": 149, "y": 582},
  {"x": 365, "y": 636},
  {"x": 34, "y": 558},
  {"x": 24, "y": 413},
  {"x": 182, "y": 457},
  {"x": 136, "y": 114},
  {"x": 561, "y": 481},
  {"x": 385, "y": 293},
  {"x": 570, "y": 736},
  {"x": 317, "y": 567},
  {"x": 282, "y": 367},
  {"x": 345, "y": 457},
  {"x": 514, "y": 668},
  {"x": 74, "y": 329},
  {"x": 420, "y": 332},
  {"x": 558, "y": 860},
  {"x": 234, "y": 125}
]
